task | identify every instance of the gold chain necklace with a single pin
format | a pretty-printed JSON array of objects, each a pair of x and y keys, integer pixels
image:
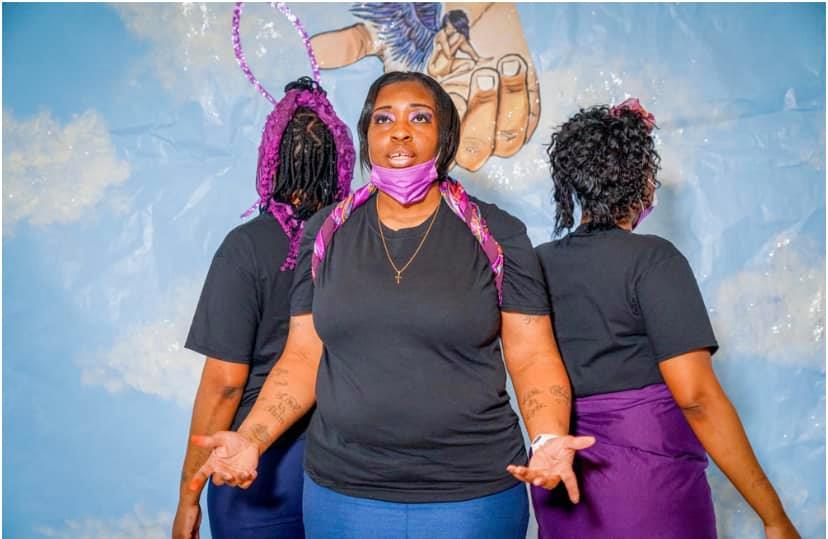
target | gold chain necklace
[{"x": 399, "y": 271}]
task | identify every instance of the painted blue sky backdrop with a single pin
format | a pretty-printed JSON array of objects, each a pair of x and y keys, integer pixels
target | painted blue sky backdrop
[{"x": 129, "y": 150}]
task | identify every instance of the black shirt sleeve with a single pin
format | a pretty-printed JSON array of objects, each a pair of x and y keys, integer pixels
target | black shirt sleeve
[
  {"x": 524, "y": 288},
  {"x": 301, "y": 294},
  {"x": 674, "y": 314},
  {"x": 225, "y": 322}
]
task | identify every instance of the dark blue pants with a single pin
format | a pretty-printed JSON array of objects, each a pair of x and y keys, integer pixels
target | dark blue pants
[{"x": 271, "y": 508}]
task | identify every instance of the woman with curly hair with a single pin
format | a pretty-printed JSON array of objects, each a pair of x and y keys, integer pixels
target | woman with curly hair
[{"x": 636, "y": 340}]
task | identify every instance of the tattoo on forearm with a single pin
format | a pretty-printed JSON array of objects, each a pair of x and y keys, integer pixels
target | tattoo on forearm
[
  {"x": 531, "y": 404},
  {"x": 528, "y": 320},
  {"x": 261, "y": 433},
  {"x": 276, "y": 375},
  {"x": 560, "y": 394},
  {"x": 284, "y": 405}
]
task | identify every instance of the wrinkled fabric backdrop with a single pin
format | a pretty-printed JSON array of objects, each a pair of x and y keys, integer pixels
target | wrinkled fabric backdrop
[{"x": 130, "y": 142}]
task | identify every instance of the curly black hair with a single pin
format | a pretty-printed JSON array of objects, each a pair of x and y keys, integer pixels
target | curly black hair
[{"x": 603, "y": 161}]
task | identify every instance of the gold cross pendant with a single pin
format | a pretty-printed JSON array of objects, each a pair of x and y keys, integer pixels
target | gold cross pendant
[{"x": 398, "y": 277}]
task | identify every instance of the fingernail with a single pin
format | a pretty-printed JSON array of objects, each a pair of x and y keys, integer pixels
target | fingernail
[
  {"x": 485, "y": 82},
  {"x": 510, "y": 68}
]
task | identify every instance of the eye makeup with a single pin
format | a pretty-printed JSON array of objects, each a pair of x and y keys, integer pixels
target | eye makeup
[
  {"x": 420, "y": 116},
  {"x": 382, "y": 117}
]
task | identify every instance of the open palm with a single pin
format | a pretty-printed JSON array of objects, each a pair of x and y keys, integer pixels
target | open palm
[{"x": 552, "y": 463}]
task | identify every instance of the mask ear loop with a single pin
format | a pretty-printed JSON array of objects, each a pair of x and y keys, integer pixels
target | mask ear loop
[{"x": 239, "y": 52}]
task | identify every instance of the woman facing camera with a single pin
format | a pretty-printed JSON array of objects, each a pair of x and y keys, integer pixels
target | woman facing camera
[
  {"x": 637, "y": 343},
  {"x": 306, "y": 162},
  {"x": 413, "y": 285}
]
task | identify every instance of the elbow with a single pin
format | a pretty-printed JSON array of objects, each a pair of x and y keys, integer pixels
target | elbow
[{"x": 225, "y": 390}]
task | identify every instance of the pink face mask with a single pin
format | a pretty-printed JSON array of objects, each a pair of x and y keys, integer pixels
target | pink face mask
[
  {"x": 646, "y": 211},
  {"x": 405, "y": 185}
]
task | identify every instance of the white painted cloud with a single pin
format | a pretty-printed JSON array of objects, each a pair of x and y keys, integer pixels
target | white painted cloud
[
  {"x": 150, "y": 357},
  {"x": 776, "y": 309},
  {"x": 135, "y": 525},
  {"x": 55, "y": 173},
  {"x": 191, "y": 52}
]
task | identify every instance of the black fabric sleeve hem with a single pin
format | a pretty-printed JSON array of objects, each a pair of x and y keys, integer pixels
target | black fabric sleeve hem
[
  {"x": 522, "y": 309},
  {"x": 208, "y": 351},
  {"x": 299, "y": 311},
  {"x": 712, "y": 347}
]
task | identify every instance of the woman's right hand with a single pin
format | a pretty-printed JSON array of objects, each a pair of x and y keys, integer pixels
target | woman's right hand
[{"x": 233, "y": 461}]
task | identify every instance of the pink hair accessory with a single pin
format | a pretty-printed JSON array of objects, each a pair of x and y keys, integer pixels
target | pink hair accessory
[{"x": 634, "y": 105}]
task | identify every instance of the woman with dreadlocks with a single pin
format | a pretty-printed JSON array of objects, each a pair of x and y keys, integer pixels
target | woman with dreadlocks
[
  {"x": 241, "y": 323},
  {"x": 637, "y": 343}
]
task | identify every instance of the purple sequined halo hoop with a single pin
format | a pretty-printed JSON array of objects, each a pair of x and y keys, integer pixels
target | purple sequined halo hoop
[{"x": 315, "y": 100}]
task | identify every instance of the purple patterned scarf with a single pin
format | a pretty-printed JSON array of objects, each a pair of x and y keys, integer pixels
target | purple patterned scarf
[{"x": 456, "y": 198}]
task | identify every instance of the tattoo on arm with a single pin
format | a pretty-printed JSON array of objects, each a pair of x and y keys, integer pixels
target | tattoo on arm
[
  {"x": 531, "y": 404},
  {"x": 528, "y": 320},
  {"x": 535, "y": 400},
  {"x": 285, "y": 404},
  {"x": 560, "y": 394},
  {"x": 276, "y": 375},
  {"x": 261, "y": 433}
]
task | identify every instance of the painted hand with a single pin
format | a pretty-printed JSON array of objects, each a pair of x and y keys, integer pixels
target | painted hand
[
  {"x": 497, "y": 96},
  {"x": 233, "y": 461},
  {"x": 552, "y": 463}
]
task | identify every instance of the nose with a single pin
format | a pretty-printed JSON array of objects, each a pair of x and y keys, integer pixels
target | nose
[{"x": 401, "y": 133}]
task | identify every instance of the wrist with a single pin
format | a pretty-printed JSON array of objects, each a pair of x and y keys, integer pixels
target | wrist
[
  {"x": 252, "y": 439},
  {"x": 539, "y": 440}
]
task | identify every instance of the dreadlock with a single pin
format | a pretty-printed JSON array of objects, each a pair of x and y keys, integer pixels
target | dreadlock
[{"x": 307, "y": 175}]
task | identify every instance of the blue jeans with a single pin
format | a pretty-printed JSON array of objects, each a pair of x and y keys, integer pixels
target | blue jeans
[{"x": 330, "y": 515}]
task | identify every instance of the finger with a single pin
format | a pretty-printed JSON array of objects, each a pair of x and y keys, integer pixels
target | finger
[
  {"x": 580, "y": 442},
  {"x": 200, "y": 478},
  {"x": 571, "y": 484},
  {"x": 533, "y": 94},
  {"x": 512, "y": 106},
  {"x": 477, "y": 130},
  {"x": 207, "y": 442}
]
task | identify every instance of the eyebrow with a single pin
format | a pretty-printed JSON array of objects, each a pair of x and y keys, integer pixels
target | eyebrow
[{"x": 412, "y": 105}]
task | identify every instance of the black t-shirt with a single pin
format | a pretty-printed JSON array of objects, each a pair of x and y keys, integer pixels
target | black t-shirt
[
  {"x": 411, "y": 392},
  {"x": 244, "y": 309},
  {"x": 621, "y": 303}
]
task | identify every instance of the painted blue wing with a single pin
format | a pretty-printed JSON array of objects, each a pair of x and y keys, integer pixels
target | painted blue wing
[{"x": 407, "y": 29}]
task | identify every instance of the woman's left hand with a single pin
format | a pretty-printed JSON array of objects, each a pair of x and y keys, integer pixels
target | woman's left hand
[{"x": 552, "y": 463}]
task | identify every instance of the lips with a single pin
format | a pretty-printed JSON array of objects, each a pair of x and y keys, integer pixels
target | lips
[{"x": 400, "y": 158}]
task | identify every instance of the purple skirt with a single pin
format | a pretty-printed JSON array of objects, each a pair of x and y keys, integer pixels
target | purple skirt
[{"x": 643, "y": 478}]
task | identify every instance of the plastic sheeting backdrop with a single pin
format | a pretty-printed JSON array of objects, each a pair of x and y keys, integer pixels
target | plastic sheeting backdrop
[{"x": 130, "y": 140}]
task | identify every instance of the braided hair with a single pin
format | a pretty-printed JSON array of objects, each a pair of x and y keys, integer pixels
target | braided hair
[
  {"x": 603, "y": 160},
  {"x": 306, "y": 177}
]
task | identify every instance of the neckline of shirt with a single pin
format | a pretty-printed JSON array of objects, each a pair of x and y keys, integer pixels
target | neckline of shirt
[{"x": 403, "y": 233}]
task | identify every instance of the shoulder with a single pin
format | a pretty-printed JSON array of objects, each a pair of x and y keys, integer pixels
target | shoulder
[
  {"x": 502, "y": 224},
  {"x": 652, "y": 249},
  {"x": 313, "y": 224}
]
